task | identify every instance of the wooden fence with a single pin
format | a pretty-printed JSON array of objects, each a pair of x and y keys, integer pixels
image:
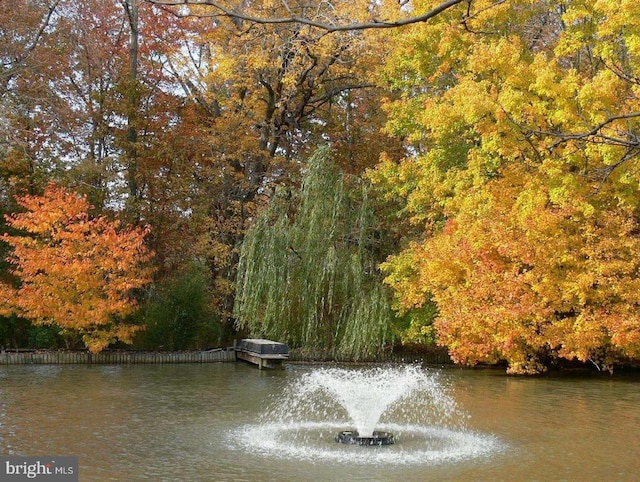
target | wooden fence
[
  {"x": 28, "y": 357},
  {"x": 125, "y": 357}
]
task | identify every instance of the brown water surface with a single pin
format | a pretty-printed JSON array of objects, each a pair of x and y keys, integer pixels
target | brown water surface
[{"x": 180, "y": 423}]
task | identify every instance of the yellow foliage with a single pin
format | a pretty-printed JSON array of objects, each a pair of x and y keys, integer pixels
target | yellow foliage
[{"x": 522, "y": 177}]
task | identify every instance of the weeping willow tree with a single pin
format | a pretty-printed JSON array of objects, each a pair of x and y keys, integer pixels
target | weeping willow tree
[{"x": 308, "y": 271}]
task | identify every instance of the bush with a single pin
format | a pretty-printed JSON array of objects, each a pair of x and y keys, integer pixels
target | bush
[{"x": 178, "y": 314}]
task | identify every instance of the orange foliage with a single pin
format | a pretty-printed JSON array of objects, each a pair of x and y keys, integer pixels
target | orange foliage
[
  {"x": 74, "y": 271},
  {"x": 523, "y": 179},
  {"x": 519, "y": 278}
]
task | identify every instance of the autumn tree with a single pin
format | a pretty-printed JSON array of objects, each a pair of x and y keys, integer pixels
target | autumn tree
[
  {"x": 77, "y": 272},
  {"x": 275, "y": 90},
  {"x": 523, "y": 120}
]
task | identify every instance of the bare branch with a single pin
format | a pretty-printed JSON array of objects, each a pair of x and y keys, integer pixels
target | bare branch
[
  {"x": 605, "y": 172},
  {"x": 596, "y": 132},
  {"x": 225, "y": 11},
  {"x": 627, "y": 139},
  {"x": 43, "y": 25},
  {"x": 469, "y": 15}
]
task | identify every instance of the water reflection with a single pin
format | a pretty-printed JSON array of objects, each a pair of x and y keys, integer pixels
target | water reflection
[{"x": 176, "y": 423}]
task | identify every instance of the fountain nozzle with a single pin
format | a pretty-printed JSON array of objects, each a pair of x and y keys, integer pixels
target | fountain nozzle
[{"x": 352, "y": 437}]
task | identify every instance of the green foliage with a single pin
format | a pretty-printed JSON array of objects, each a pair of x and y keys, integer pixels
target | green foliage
[
  {"x": 308, "y": 272},
  {"x": 178, "y": 315},
  {"x": 416, "y": 326},
  {"x": 16, "y": 332}
]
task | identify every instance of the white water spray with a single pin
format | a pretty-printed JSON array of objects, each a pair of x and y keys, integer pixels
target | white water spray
[
  {"x": 408, "y": 401},
  {"x": 367, "y": 394}
]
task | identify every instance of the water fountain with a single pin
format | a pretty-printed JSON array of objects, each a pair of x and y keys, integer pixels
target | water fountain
[
  {"x": 390, "y": 415},
  {"x": 365, "y": 395}
]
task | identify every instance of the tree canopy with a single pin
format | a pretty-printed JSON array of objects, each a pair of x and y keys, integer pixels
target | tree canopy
[{"x": 500, "y": 136}]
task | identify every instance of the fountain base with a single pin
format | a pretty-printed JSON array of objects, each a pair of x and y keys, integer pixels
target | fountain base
[{"x": 351, "y": 437}]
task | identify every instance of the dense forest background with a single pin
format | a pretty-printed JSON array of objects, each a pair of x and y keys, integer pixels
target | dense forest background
[{"x": 342, "y": 176}]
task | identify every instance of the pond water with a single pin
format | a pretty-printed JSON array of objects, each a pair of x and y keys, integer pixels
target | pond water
[{"x": 217, "y": 422}]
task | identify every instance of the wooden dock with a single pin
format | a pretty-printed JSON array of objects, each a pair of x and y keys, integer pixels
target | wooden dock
[{"x": 264, "y": 353}]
